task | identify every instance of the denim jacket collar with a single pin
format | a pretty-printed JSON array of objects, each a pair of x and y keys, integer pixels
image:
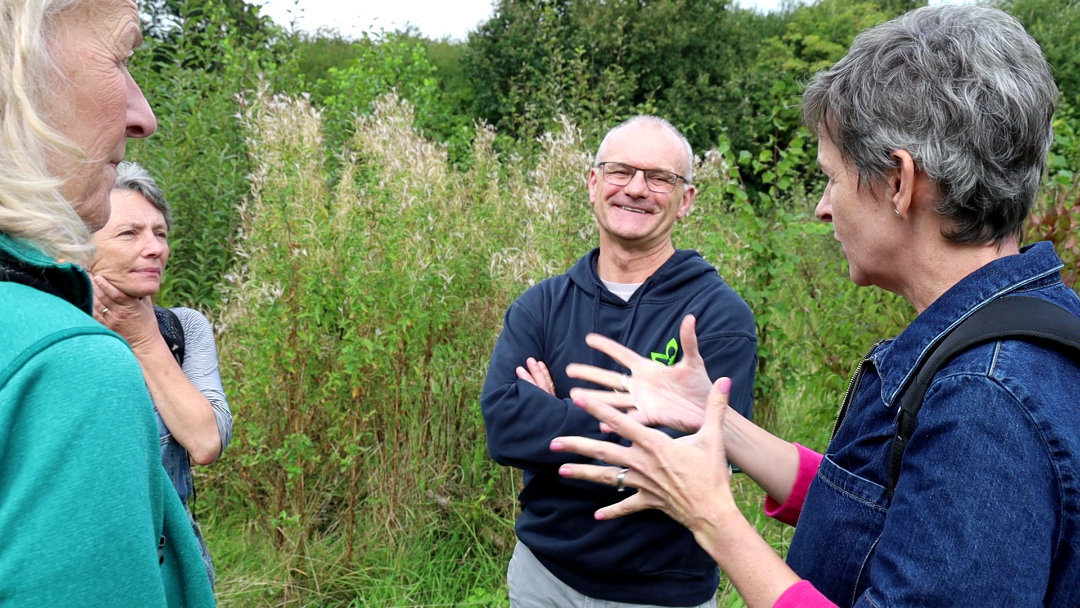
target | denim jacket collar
[{"x": 896, "y": 360}]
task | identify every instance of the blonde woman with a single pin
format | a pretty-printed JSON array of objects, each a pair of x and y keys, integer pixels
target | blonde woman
[{"x": 87, "y": 513}]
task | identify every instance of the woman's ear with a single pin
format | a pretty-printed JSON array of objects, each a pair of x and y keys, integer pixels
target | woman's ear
[{"x": 902, "y": 188}]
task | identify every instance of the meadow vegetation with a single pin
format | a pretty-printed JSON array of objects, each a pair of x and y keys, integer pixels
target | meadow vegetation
[{"x": 355, "y": 233}]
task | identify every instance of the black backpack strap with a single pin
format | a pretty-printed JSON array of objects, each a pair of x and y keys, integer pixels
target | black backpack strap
[
  {"x": 172, "y": 331},
  {"x": 1023, "y": 318}
]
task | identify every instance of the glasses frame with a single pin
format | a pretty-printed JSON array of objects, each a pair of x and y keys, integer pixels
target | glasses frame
[{"x": 645, "y": 172}]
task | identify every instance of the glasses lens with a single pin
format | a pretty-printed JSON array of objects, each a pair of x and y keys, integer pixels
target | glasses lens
[
  {"x": 661, "y": 182},
  {"x": 618, "y": 174}
]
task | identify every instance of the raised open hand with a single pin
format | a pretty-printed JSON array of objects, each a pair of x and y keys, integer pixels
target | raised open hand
[
  {"x": 687, "y": 477},
  {"x": 654, "y": 394}
]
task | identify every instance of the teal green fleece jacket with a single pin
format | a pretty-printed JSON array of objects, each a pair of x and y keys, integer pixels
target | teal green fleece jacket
[{"x": 88, "y": 516}]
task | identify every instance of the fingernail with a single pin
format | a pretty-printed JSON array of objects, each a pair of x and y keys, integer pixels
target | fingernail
[
  {"x": 565, "y": 470},
  {"x": 599, "y": 515},
  {"x": 725, "y": 385},
  {"x": 556, "y": 446}
]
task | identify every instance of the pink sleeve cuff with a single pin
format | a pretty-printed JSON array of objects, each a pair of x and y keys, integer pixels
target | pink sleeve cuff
[
  {"x": 788, "y": 511},
  {"x": 803, "y": 595}
]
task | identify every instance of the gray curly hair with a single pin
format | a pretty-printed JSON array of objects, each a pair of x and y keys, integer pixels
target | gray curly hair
[{"x": 966, "y": 91}]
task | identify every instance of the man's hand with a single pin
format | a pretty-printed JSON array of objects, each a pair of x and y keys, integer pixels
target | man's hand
[
  {"x": 537, "y": 374},
  {"x": 657, "y": 394}
]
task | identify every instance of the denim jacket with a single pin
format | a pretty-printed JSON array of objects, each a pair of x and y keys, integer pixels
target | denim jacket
[{"x": 987, "y": 505}]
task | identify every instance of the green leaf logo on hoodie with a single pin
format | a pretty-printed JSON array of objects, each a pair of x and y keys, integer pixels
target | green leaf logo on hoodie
[{"x": 671, "y": 351}]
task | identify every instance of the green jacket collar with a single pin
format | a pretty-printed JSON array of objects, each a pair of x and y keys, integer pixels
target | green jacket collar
[{"x": 22, "y": 262}]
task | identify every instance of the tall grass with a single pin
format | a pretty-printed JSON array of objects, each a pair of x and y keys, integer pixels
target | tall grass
[{"x": 355, "y": 330}]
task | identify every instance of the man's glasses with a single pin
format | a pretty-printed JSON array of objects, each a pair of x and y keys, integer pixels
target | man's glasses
[{"x": 657, "y": 180}]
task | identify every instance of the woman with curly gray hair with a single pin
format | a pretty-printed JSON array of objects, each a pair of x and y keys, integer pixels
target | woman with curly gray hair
[{"x": 87, "y": 513}]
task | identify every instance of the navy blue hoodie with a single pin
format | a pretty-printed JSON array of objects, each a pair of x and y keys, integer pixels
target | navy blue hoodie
[{"x": 646, "y": 557}]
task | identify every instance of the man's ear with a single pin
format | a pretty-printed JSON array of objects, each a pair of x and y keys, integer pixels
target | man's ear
[{"x": 687, "y": 202}]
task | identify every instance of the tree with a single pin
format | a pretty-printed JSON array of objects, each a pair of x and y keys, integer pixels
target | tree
[
  {"x": 168, "y": 22},
  {"x": 1055, "y": 24},
  {"x": 200, "y": 56},
  {"x": 598, "y": 61}
]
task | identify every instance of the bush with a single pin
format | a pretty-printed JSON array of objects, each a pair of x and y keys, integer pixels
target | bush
[
  {"x": 355, "y": 330},
  {"x": 192, "y": 69}
]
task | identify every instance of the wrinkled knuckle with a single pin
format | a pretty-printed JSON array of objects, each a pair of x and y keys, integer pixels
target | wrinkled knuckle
[{"x": 602, "y": 453}]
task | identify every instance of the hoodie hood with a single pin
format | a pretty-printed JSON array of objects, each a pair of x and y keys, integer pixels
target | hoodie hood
[
  {"x": 684, "y": 267},
  {"x": 668, "y": 283}
]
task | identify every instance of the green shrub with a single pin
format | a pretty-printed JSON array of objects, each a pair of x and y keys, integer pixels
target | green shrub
[
  {"x": 355, "y": 330},
  {"x": 192, "y": 70}
]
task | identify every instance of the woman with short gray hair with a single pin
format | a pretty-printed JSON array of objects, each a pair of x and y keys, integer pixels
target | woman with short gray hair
[{"x": 174, "y": 346}]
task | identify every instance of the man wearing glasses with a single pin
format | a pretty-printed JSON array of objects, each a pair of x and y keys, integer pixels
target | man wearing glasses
[{"x": 635, "y": 288}]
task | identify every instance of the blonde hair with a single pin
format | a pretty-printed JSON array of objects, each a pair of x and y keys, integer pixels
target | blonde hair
[{"x": 32, "y": 207}]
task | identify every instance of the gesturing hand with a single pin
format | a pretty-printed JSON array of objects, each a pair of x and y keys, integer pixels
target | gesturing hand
[
  {"x": 687, "y": 478},
  {"x": 657, "y": 395}
]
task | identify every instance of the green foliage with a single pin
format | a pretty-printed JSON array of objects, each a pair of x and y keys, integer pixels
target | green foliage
[
  {"x": 173, "y": 20},
  {"x": 1056, "y": 216},
  {"x": 191, "y": 72},
  {"x": 600, "y": 61},
  {"x": 1055, "y": 24},
  {"x": 761, "y": 102},
  {"x": 447, "y": 57},
  {"x": 354, "y": 360},
  {"x": 392, "y": 62},
  {"x": 817, "y": 36},
  {"x": 316, "y": 54},
  {"x": 527, "y": 68}
]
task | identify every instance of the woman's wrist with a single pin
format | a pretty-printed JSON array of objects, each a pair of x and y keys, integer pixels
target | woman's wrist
[{"x": 716, "y": 525}]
